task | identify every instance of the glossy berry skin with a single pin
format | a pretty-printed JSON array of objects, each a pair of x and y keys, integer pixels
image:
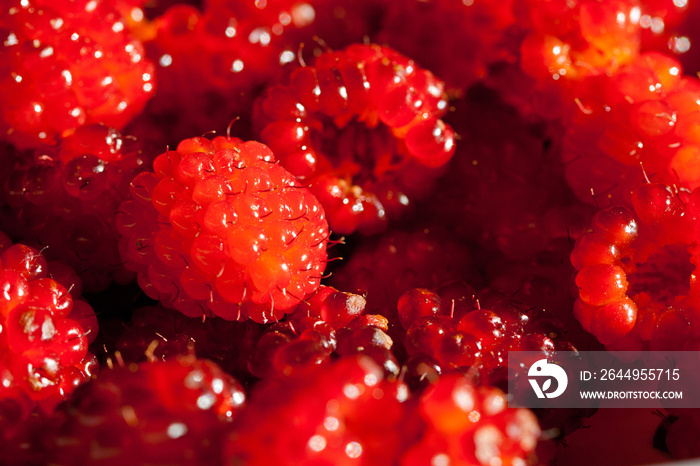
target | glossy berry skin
[
  {"x": 345, "y": 413},
  {"x": 458, "y": 328},
  {"x": 471, "y": 425},
  {"x": 556, "y": 44},
  {"x": 362, "y": 127},
  {"x": 222, "y": 229},
  {"x": 65, "y": 64},
  {"x": 305, "y": 339},
  {"x": 155, "y": 413},
  {"x": 643, "y": 114},
  {"x": 66, "y": 198},
  {"x": 225, "y": 52},
  {"x": 636, "y": 280},
  {"x": 44, "y": 332}
]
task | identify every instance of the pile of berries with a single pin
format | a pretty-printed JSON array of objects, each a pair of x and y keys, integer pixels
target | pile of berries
[{"x": 254, "y": 232}]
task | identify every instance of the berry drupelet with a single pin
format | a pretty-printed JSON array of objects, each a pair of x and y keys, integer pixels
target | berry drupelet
[
  {"x": 468, "y": 424},
  {"x": 460, "y": 329},
  {"x": 329, "y": 325},
  {"x": 644, "y": 113}
]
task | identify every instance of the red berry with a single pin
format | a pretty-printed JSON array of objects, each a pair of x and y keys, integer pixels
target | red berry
[
  {"x": 221, "y": 228},
  {"x": 43, "y": 346},
  {"x": 636, "y": 271},
  {"x": 456, "y": 332},
  {"x": 362, "y": 128},
  {"x": 466, "y": 424},
  {"x": 152, "y": 412},
  {"x": 65, "y": 65},
  {"x": 641, "y": 114},
  {"x": 66, "y": 198},
  {"x": 342, "y": 413}
]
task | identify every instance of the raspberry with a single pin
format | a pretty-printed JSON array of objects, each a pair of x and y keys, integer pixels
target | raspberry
[
  {"x": 645, "y": 114},
  {"x": 637, "y": 287},
  {"x": 345, "y": 413},
  {"x": 155, "y": 413},
  {"x": 66, "y": 198},
  {"x": 362, "y": 128},
  {"x": 45, "y": 331},
  {"x": 305, "y": 339},
  {"x": 471, "y": 425},
  {"x": 285, "y": 349},
  {"x": 458, "y": 328},
  {"x": 225, "y": 52},
  {"x": 559, "y": 43},
  {"x": 65, "y": 65},
  {"x": 222, "y": 229}
]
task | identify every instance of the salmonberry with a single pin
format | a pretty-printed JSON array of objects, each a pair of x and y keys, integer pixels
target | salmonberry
[
  {"x": 646, "y": 114},
  {"x": 344, "y": 413},
  {"x": 155, "y": 413},
  {"x": 636, "y": 280},
  {"x": 471, "y": 425},
  {"x": 460, "y": 329},
  {"x": 66, "y": 198},
  {"x": 362, "y": 128},
  {"x": 65, "y": 64},
  {"x": 329, "y": 324},
  {"x": 222, "y": 229},
  {"x": 557, "y": 44},
  {"x": 224, "y": 52},
  {"x": 44, "y": 331}
]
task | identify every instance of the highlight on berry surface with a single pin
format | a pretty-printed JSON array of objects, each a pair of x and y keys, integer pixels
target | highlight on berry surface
[
  {"x": 154, "y": 412},
  {"x": 66, "y": 64},
  {"x": 44, "y": 330},
  {"x": 362, "y": 127},
  {"x": 65, "y": 197},
  {"x": 220, "y": 228},
  {"x": 637, "y": 271}
]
